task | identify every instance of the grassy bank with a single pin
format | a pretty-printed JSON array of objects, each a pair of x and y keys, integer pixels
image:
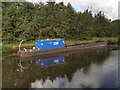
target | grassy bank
[
  {"x": 6, "y": 47},
  {"x": 108, "y": 39}
]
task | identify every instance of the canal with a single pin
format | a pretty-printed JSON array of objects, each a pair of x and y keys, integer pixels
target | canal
[{"x": 93, "y": 68}]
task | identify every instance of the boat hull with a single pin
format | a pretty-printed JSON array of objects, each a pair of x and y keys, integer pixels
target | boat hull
[{"x": 60, "y": 50}]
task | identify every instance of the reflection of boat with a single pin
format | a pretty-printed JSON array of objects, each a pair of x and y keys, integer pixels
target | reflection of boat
[
  {"x": 50, "y": 61},
  {"x": 47, "y": 47}
]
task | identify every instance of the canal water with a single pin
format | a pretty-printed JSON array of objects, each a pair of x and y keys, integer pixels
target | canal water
[{"x": 93, "y": 68}]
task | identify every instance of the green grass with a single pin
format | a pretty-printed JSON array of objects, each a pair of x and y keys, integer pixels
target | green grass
[
  {"x": 109, "y": 39},
  {"x": 8, "y": 47},
  {"x": 22, "y": 45}
]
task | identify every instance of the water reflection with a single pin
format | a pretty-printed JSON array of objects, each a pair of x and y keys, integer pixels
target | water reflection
[
  {"x": 86, "y": 68},
  {"x": 50, "y": 61},
  {"x": 97, "y": 76}
]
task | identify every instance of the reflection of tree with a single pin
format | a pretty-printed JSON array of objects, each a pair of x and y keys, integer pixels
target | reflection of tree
[{"x": 73, "y": 62}]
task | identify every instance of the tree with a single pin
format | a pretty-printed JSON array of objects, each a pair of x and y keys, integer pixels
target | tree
[{"x": 25, "y": 20}]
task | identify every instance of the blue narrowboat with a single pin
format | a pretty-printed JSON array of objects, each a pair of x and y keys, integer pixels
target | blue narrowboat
[{"x": 53, "y": 46}]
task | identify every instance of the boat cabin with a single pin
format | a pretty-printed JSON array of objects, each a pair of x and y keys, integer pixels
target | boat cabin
[{"x": 49, "y": 44}]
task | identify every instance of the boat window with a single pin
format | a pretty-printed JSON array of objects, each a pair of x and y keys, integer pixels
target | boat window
[{"x": 55, "y": 43}]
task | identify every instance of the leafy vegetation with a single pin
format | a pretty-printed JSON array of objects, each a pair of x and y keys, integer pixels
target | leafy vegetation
[{"x": 25, "y": 20}]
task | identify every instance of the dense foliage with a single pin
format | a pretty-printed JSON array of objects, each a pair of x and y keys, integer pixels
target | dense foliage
[{"x": 24, "y": 20}]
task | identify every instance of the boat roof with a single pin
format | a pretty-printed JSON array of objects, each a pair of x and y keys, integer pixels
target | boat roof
[{"x": 49, "y": 39}]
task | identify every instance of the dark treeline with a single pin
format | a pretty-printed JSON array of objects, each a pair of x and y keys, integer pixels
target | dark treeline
[{"x": 53, "y": 20}]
